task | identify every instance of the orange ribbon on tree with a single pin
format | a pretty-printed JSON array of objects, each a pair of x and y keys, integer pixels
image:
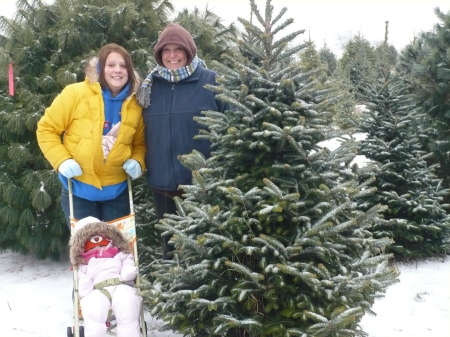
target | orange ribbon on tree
[{"x": 11, "y": 79}]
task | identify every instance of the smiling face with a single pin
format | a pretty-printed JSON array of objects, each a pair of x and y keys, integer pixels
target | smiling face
[
  {"x": 116, "y": 74},
  {"x": 173, "y": 56}
]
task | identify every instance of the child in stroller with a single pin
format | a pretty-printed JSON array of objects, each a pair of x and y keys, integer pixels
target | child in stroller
[{"x": 106, "y": 277}]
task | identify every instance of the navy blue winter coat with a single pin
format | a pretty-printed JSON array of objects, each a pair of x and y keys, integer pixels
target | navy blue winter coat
[{"x": 170, "y": 128}]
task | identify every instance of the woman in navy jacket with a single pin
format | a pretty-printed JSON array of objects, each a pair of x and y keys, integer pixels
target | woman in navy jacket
[{"x": 172, "y": 95}]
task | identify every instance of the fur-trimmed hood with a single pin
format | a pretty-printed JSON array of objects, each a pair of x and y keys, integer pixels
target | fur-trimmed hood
[{"x": 80, "y": 236}]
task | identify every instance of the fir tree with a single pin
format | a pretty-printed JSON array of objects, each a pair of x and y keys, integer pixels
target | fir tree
[
  {"x": 310, "y": 59},
  {"x": 358, "y": 61},
  {"x": 329, "y": 58},
  {"x": 386, "y": 52},
  {"x": 426, "y": 64},
  {"x": 327, "y": 88},
  {"x": 416, "y": 218},
  {"x": 268, "y": 240}
]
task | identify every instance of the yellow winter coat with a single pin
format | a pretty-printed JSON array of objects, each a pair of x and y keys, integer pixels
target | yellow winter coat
[{"x": 72, "y": 128}]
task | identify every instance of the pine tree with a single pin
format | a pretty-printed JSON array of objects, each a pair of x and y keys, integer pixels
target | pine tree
[
  {"x": 310, "y": 59},
  {"x": 385, "y": 51},
  {"x": 48, "y": 45},
  {"x": 358, "y": 60},
  {"x": 426, "y": 62},
  {"x": 329, "y": 58},
  {"x": 340, "y": 99},
  {"x": 416, "y": 218},
  {"x": 269, "y": 240},
  {"x": 315, "y": 73}
]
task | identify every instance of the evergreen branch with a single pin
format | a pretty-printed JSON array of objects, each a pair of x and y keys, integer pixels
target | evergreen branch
[
  {"x": 243, "y": 270},
  {"x": 331, "y": 214},
  {"x": 272, "y": 243},
  {"x": 308, "y": 278},
  {"x": 231, "y": 322}
]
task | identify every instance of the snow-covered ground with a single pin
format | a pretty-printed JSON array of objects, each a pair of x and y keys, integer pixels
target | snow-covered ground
[{"x": 36, "y": 300}]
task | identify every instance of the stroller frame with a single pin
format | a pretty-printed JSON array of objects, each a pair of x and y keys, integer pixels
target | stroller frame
[{"x": 127, "y": 226}]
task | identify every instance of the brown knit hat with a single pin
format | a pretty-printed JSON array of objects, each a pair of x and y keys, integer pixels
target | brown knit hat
[{"x": 175, "y": 34}]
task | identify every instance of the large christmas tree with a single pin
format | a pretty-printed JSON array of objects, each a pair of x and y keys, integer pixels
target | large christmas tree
[{"x": 269, "y": 240}]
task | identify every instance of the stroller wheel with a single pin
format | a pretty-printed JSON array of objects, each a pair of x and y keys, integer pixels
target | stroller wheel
[{"x": 70, "y": 331}]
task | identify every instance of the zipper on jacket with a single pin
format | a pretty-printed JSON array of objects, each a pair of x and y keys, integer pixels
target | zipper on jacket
[{"x": 170, "y": 125}]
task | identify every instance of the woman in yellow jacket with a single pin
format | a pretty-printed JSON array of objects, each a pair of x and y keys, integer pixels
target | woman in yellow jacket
[{"x": 93, "y": 132}]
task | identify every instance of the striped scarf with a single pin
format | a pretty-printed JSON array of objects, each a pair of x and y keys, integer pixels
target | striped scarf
[{"x": 143, "y": 93}]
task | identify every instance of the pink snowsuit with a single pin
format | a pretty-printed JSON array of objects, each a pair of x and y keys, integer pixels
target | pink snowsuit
[{"x": 95, "y": 304}]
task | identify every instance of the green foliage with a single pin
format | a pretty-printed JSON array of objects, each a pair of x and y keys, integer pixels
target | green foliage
[
  {"x": 331, "y": 89},
  {"x": 269, "y": 240},
  {"x": 310, "y": 59},
  {"x": 416, "y": 217},
  {"x": 329, "y": 58},
  {"x": 149, "y": 238},
  {"x": 425, "y": 62},
  {"x": 358, "y": 61}
]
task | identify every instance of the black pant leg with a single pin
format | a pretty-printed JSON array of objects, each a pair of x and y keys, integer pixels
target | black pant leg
[{"x": 163, "y": 205}]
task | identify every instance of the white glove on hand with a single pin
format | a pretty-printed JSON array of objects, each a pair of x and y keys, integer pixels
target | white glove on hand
[
  {"x": 70, "y": 168},
  {"x": 132, "y": 168}
]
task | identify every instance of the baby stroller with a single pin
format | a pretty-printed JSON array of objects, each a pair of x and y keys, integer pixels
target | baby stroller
[{"x": 127, "y": 227}]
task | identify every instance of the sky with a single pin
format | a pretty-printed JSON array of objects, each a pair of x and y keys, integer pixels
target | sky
[
  {"x": 36, "y": 297},
  {"x": 332, "y": 22}
]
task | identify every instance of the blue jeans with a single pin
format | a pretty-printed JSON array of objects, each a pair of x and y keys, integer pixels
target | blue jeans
[{"x": 103, "y": 210}]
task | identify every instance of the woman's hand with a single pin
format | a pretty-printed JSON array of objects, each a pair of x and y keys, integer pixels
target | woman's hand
[
  {"x": 132, "y": 168},
  {"x": 70, "y": 168}
]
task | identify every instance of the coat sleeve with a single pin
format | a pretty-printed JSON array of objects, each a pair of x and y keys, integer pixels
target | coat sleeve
[
  {"x": 52, "y": 125},
  {"x": 129, "y": 269},
  {"x": 85, "y": 284}
]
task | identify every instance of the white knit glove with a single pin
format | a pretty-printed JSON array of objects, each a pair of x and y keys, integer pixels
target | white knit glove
[
  {"x": 132, "y": 168},
  {"x": 70, "y": 168}
]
